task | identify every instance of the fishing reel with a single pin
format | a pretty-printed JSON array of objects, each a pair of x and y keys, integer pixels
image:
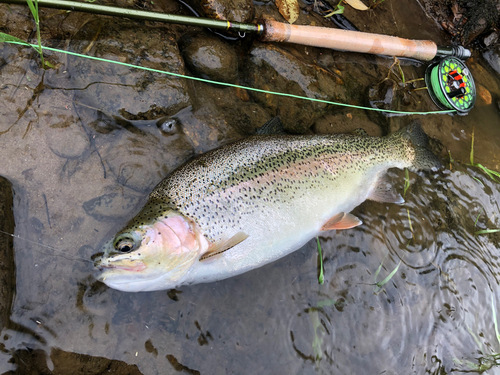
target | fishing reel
[{"x": 449, "y": 81}]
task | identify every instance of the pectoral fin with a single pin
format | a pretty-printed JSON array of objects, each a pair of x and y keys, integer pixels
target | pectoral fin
[
  {"x": 222, "y": 246},
  {"x": 383, "y": 192},
  {"x": 342, "y": 221}
]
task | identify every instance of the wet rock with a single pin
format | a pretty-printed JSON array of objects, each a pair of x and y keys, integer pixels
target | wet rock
[
  {"x": 476, "y": 29},
  {"x": 111, "y": 206},
  {"x": 232, "y": 10},
  {"x": 384, "y": 95},
  {"x": 216, "y": 118},
  {"x": 7, "y": 266},
  {"x": 34, "y": 362},
  {"x": 133, "y": 161},
  {"x": 131, "y": 94},
  {"x": 130, "y": 99},
  {"x": 346, "y": 122},
  {"x": 210, "y": 58},
  {"x": 64, "y": 132},
  {"x": 492, "y": 56},
  {"x": 271, "y": 68},
  {"x": 491, "y": 39}
]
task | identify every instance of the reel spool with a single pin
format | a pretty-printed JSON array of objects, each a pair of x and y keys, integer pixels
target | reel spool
[{"x": 450, "y": 85}]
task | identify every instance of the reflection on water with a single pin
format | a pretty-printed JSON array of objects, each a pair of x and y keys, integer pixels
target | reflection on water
[{"x": 84, "y": 143}]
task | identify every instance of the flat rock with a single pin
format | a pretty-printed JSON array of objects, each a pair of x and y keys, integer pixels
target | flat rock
[
  {"x": 492, "y": 56},
  {"x": 271, "y": 68},
  {"x": 131, "y": 93},
  {"x": 111, "y": 206},
  {"x": 209, "y": 57},
  {"x": 232, "y": 10}
]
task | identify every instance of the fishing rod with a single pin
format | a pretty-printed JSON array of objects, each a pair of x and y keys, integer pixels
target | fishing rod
[{"x": 449, "y": 81}]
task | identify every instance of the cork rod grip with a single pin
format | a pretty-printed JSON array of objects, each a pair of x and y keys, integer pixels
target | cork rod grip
[{"x": 346, "y": 40}]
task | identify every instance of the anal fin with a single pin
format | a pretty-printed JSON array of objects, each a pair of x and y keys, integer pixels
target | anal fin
[
  {"x": 383, "y": 192},
  {"x": 220, "y": 247},
  {"x": 342, "y": 221}
]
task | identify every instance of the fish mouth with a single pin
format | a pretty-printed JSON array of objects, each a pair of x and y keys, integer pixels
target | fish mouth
[
  {"x": 130, "y": 281},
  {"x": 134, "y": 266}
]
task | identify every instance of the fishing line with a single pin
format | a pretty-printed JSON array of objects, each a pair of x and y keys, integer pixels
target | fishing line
[
  {"x": 62, "y": 252},
  {"x": 234, "y": 85}
]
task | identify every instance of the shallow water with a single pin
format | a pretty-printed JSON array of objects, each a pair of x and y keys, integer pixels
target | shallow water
[{"x": 81, "y": 147}]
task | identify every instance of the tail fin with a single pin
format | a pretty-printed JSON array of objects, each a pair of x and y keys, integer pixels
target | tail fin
[{"x": 415, "y": 143}]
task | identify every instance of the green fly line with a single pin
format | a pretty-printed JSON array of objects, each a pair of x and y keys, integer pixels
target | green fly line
[{"x": 233, "y": 85}]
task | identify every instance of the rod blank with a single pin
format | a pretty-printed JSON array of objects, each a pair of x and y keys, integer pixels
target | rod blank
[
  {"x": 273, "y": 31},
  {"x": 143, "y": 15}
]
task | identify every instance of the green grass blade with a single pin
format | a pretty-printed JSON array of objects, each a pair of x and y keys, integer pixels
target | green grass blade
[
  {"x": 489, "y": 172},
  {"x": 487, "y": 231},
  {"x": 478, "y": 180},
  {"x": 9, "y": 38},
  {"x": 327, "y": 303},
  {"x": 339, "y": 9},
  {"x": 378, "y": 270},
  {"x": 495, "y": 318},
  {"x": 386, "y": 280},
  {"x": 402, "y": 74},
  {"x": 321, "y": 277},
  {"x": 477, "y": 218},
  {"x": 478, "y": 342},
  {"x": 409, "y": 222},
  {"x": 318, "y": 335},
  {"x": 407, "y": 182},
  {"x": 33, "y": 5},
  {"x": 472, "y": 148}
]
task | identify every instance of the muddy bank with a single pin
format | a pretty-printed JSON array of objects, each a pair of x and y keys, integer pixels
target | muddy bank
[{"x": 7, "y": 266}]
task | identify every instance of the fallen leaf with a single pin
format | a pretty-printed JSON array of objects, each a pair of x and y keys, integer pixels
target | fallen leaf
[
  {"x": 242, "y": 94},
  {"x": 484, "y": 94},
  {"x": 356, "y": 4},
  {"x": 289, "y": 9}
]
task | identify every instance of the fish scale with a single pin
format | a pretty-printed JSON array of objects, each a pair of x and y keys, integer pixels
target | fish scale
[
  {"x": 252, "y": 202},
  {"x": 250, "y": 161}
]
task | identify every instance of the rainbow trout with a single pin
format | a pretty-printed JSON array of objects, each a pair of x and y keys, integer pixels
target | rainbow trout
[{"x": 249, "y": 203}]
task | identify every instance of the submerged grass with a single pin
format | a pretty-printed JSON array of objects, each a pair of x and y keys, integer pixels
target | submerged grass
[
  {"x": 494, "y": 175},
  {"x": 488, "y": 361},
  {"x": 321, "y": 277},
  {"x": 379, "y": 284},
  {"x": 407, "y": 182},
  {"x": 484, "y": 231}
]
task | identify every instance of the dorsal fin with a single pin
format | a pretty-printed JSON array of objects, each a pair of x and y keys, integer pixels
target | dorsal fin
[
  {"x": 273, "y": 126},
  {"x": 342, "y": 221},
  {"x": 360, "y": 132},
  {"x": 222, "y": 246}
]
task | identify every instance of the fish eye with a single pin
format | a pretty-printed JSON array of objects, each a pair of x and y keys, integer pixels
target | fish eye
[{"x": 125, "y": 243}]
